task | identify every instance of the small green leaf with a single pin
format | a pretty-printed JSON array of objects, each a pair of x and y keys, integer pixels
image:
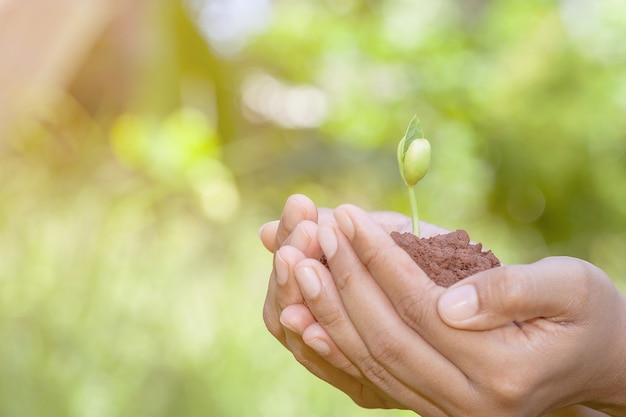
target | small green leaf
[{"x": 414, "y": 131}]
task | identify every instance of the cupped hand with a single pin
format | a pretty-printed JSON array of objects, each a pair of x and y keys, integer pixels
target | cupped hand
[
  {"x": 519, "y": 340},
  {"x": 292, "y": 239}
]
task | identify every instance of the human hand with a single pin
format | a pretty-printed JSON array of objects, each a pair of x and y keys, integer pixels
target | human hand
[
  {"x": 541, "y": 336},
  {"x": 292, "y": 239}
]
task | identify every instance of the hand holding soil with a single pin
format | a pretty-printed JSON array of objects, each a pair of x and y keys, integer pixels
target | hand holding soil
[{"x": 376, "y": 327}]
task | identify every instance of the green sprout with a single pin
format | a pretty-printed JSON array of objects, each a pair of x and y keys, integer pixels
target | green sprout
[{"x": 413, "y": 160}]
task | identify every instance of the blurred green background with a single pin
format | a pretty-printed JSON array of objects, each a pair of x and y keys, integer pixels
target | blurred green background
[{"x": 133, "y": 185}]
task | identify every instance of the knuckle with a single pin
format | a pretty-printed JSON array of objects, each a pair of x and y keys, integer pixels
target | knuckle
[
  {"x": 414, "y": 309},
  {"x": 510, "y": 392},
  {"x": 405, "y": 305},
  {"x": 583, "y": 272},
  {"x": 371, "y": 256},
  {"x": 586, "y": 274},
  {"x": 386, "y": 349},
  {"x": 375, "y": 373},
  {"x": 330, "y": 318},
  {"x": 584, "y": 284},
  {"x": 346, "y": 278},
  {"x": 347, "y": 367}
]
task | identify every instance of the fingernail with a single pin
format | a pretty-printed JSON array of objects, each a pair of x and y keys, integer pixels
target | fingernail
[
  {"x": 318, "y": 346},
  {"x": 282, "y": 269},
  {"x": 289, "y": 222},
  {"x": 308, "y": 281},
  {"x": 284, "y": 320},
  {"x": 459, "y": 303},
  {"x": 345, "y": 222},
  {"x": 328, "y": 240}
]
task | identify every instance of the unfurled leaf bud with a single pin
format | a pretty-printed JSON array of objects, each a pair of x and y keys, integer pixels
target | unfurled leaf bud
[{"x": 413, "y": 154}]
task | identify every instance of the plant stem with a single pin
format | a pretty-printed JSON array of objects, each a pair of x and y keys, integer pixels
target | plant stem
[{"x": 414, "y": 216}]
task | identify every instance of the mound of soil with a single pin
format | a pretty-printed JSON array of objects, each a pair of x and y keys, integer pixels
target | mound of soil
[{"x": 446, "y": 258}]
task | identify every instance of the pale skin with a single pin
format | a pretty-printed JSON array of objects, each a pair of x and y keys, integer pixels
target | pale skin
[{"x": 547, "y": 338}]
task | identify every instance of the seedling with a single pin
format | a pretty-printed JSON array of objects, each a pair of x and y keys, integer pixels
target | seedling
[{"x": 413, "y": 161}]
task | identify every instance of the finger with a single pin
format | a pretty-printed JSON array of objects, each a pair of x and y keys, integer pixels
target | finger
[
  {"x": 297, "y": 208},
  {"x": 267, "y": 234},
  {"x": 302, "y": 243},
  {"x": 324, "y": 215},
  {"x": 313, "y": 348},
  {"x": 298, "y": 319},
  {"x": 304, "y": 238},
  {"x": 286, "y": 288},
  {"x": 282, "y": 290},
  {"x": 395, "y": 355},
  {"x": 409, "y": 289},
  {"x": 318, "y": 366},
  {"x": 326, "y": 305},
  {"x": 548, "y": 289}
]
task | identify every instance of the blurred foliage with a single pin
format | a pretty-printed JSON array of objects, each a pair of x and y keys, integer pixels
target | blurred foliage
[{"x": 132, "y": 279}]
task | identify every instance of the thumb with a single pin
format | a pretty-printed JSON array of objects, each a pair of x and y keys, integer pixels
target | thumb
[{"x": 552, "y": 288}]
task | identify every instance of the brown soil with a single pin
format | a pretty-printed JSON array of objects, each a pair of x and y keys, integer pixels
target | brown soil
[{"x": 446, "y": 258}]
